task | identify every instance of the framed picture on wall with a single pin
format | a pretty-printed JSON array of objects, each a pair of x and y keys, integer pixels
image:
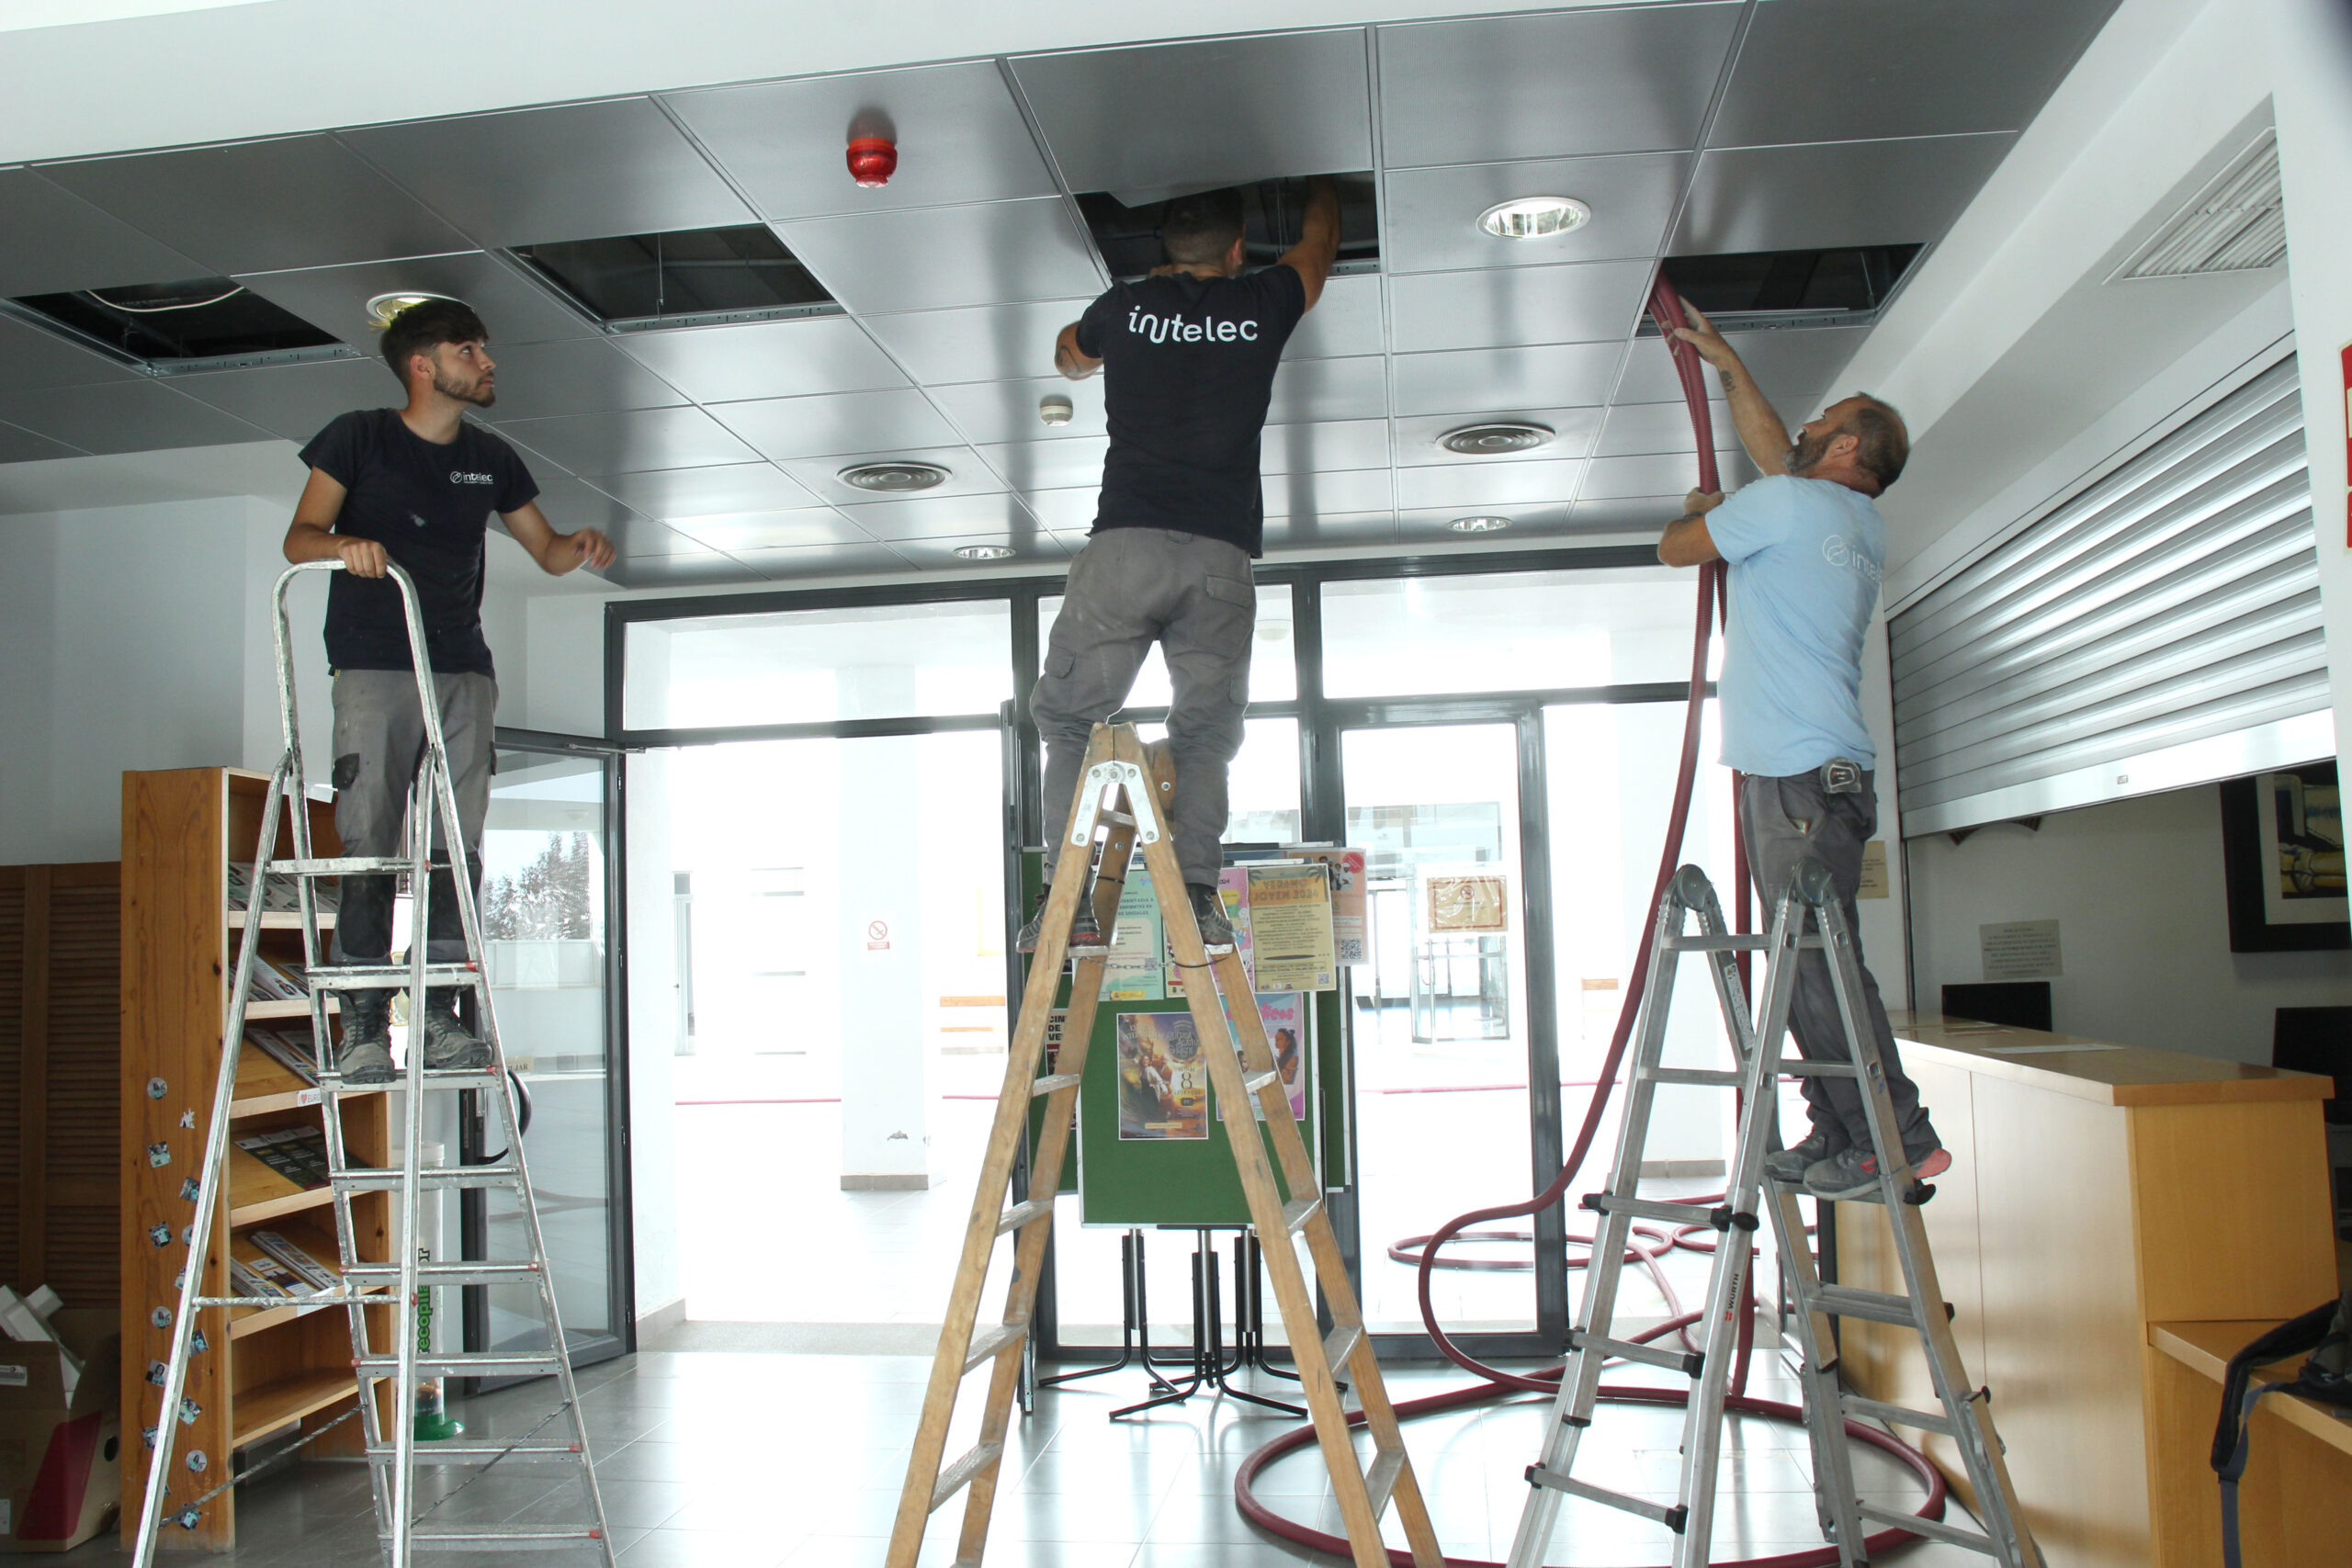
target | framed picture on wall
[{"x": 2282, "y": 852}]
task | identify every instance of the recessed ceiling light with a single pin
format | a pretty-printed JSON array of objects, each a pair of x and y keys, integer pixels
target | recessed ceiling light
[
  {"x": 1535, "y": 217},
  {"x": 384, "y": 307},
  {"x": 1479, "y": 524},
  {"x": 985, "y": 552},
  {"x": 1487, "y": 440},
  {"x": 894, "y": 477}
]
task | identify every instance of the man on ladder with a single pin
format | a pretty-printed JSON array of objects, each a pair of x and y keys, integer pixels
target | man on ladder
[
  {"x": 1805, "y": 545},
  {"x": 1190, "y": 352},
  {"x": 415, "y": 487}
]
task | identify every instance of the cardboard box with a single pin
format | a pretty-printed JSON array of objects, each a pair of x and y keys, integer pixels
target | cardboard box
[{"x": 60, "y": 1462}]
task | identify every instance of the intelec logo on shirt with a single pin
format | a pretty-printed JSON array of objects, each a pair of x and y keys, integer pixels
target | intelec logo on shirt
[
  {"x": 460, "y": 477},
  {"x": 1838, "y": 551},
  {"x": 1172, "y": 329}
]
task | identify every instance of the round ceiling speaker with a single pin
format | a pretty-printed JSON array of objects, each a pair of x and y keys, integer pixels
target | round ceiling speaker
[
  {"x": 894, "y": 477},
  {"x": 1495, "y": 440}
]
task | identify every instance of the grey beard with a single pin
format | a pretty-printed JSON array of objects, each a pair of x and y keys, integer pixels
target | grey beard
[{"x": 1804, "y": 452}]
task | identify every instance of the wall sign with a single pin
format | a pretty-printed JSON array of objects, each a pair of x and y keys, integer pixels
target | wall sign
[{"x": 2020, "y": 950}]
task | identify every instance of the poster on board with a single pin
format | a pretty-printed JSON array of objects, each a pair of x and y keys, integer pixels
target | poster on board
[
  {"x": 1163, "y": 1082},
  {"x": 1290, "y": 928},
  {"x": 1286, "y": 1018},
  {"x": 1350, "y": 939}
]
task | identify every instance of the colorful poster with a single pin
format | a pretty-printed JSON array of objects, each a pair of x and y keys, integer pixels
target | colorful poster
[
  {"x": 1131, "y": 973},
  {"x": 1163, "y": 1082},
  {"x": 1285, "y": 1018},
  {"x": 1233, "y": 889},
  {"x": 1290, "y": 928},
  {"x": 1351, "y": 938},
  {"x": 1476, "y": 903}
]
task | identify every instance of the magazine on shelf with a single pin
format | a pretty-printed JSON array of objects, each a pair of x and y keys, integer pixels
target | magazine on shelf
[
  {"x": 283, "y": 895},
  {"x": 265, "y": 1276},
  {"x": 273, "y": 982},
  {"x": 291, "y": 1052},
  {"x": 318, "y": 1275},
  {"x": 297, "y": 1154}
]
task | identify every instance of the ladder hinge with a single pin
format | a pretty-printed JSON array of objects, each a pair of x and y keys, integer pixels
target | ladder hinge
[
  {"x": 1572, "y": 1421},
  {"x": 1743, "y": 1222},
  {"x": 1529, "y": 1474},
  {"x": 1677, "y": 1517}
]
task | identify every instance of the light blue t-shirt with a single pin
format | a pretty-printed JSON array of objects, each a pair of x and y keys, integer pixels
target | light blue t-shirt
[{"x": 1805, "y": 560}]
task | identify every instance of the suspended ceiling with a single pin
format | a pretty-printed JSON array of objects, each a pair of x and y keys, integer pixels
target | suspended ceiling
[{"x": 711, "y": 453}]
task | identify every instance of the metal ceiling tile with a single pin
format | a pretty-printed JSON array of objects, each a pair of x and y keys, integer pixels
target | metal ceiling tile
[
  {"x": 570, "y": 503},
  {"x": 675, "y": 494},
  {"x": 982, "y": 342},
  {"x": 1502, "y": 484},
  {"x": 1432, "y": 214},
  {"x": 1345, "y": 321},
  {"x": 578, "y": 172},
  {"x": 1637, "y": 430},
  {"x": 1332, "y": 445},
  {"x": 545, "y": 381},
  {"x": 32, "y": 359},
  {"x": 1572, "y": 433},
  {"x": 1506, "y": 307},
  {"x": 686, "y": 568},
  {"x": 1049, "y": 465},
  {"x": 841, "y": 421},
  {"x": 1068, "y": 512},
  {"x": 1285, "y": 534},
  {"x": 960, "y": 138},
  {"x": 335, "y": 298},
  {"x": 1221, "y": 111},
  {"x": 123, "y": 416},
  {"x": 1627, "y": 79},
  {"x": 941, "y": 257},
  {"x": 1791, "y": 367},
  {"x": 1030, "y": 547},
  {"x": 1430, "y": 525},
  {"x": 294, "y": 201},
  {"x": 741, "y": 531},
  {"x": 1648, "y": 516},
  {"x": 1572, "y": 375},
  {"x": 635, "y": 537},
  {"x": 766, "y": 359},
  {"x": 939, "y": 517},
  {"x": 966, "y": 474},
  {"x": 80, "y": 247},
  {"x": 1310, "y": 390},
  {"x": 990, "y": 412},
  {"x": 1311, "y": 494},
  {"x": 23, "y": 446},
  {"x": 594, "y": 444},
  {"x": 1669, "y": 475},
  {"x": 809, "y": 561},
  {"x": 1833, "y": 194},
  {"x": 1836, "y": 70},
  {"x": 296, "y": 401}
]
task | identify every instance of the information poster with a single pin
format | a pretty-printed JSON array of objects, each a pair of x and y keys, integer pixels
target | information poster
[
  {"x": 1476, "y": 903},
  {"x": 1350, "y": 940},
  {"x": 1163, "y": 1082},
  {"x": 1290, "y": 928},
  {"x": 1131, "y": 973},
  {"x": 1287, "y": 1035},
  {"x": 1233, "y": 891}
]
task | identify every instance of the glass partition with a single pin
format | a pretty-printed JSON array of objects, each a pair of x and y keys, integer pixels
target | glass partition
[
  {"x": 1507, "y": 632},
  {"x": 1274, "y": 663}
]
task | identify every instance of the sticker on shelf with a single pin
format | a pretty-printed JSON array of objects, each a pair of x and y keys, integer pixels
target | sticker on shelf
[
  {"x": 160, "y": 1234},
  {"x": 158, "y": 1155},
  {"x": 157, "y": 1088},
  {"x": 161, "y": 1318}
]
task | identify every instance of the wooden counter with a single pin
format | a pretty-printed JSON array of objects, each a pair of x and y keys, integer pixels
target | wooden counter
[{"x": 2097, "y": 1190}]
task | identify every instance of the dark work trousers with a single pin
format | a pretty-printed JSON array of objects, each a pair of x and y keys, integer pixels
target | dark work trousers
[
  {"x": 1784, "y": 820},
  {"x": 379, "y": 743},
  {"x": 1128, "y": 589}
]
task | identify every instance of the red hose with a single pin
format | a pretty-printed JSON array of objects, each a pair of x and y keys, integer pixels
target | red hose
[{"x": 1666, "y": 306}]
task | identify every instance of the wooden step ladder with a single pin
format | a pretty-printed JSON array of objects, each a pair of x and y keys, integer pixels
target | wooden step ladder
[{"x": 1125, "y": 789}]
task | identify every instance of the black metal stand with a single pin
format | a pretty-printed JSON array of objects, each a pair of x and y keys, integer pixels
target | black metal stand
[
  {"x": 1208, "y": 1368},
  {"x": 1134, "y": 1321}
]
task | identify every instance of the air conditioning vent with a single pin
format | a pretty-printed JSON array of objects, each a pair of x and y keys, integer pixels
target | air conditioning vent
[
  {"x": 2237, "y": 223},
  {"x": 1494, "y": 440},
  {"x": 894, "y": 477}
]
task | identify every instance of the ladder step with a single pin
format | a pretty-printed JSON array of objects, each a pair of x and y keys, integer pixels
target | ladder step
[
  {"x": 388, "y": 977},
  {"x": 1698, "y": 1078},
  {"x": 1020, "y": 1214},
  {"x": 995, "y": 1342},
  {"x": 331, "y": 1082},
  {"x": 1690, "y": 1363},
  {"x": 1797, "y": 1068},
  {"x": 1934, "y": 1529},
  {"x": 1298, "y": 1210},
  {"x": 348, "y": 865},
  {"x": 544, "y": 1451},
  {"x": 1380, "y": 1481},
  {"x": 1672, "y": 1518},
  {"x": 952, "y": 1479},
  {"x": 1260, "y": 1082},
  {"x": 1898, "y": 1416},
  {"x": 1701, "y": 942},
  {"x": 1114, "y": 819},
  {"x": 449, "y": 1273},
  {"x": 497, "y": 1539},
  {"x": 1341, "y": 1345},
  {"x": 431, "y": 1179},
  {"x": 1052, "y": 1083},
  {"x": 461, "y": 1364},
  {"x": 1719, "y": 1217},
  {"x": 1870, "y": 1306},
  {"x": 323, "y": 1299}
]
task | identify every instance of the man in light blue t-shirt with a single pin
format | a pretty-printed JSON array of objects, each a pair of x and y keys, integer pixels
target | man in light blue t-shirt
[{"x": 1805, "y": 545}]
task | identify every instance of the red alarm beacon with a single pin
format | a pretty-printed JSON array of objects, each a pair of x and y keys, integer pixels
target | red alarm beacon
[{"x": 873, "y": 160}]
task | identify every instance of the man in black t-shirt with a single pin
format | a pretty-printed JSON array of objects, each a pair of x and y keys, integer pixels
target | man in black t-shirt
[
  {"x": 1188, "y": 355},
  {"x": 414, "y": 487}
]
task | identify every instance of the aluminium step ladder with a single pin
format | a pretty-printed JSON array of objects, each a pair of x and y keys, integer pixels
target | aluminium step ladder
[
  {"x": 1125, "y": 789},
  {"x": 393, "y": 1289},
  {"x": 1965, "y": 1415}
]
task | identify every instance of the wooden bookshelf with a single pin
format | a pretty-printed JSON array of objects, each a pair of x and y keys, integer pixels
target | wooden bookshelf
[{"x": 265, "y": 1368}]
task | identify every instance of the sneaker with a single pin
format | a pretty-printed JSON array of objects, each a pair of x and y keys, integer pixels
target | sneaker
[
  {"x": 1788, "y": 1165},
  {"x": 365, "y": 1054},
  {"x": 1852, "y": 1175},
  {"x": 448, "y": 1044},
  {"x": 1082, "y": 931},
  {"x": 1208, "y": 913}
]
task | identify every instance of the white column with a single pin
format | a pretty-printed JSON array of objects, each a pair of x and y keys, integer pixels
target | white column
[{"x": 886, "y": 1060}]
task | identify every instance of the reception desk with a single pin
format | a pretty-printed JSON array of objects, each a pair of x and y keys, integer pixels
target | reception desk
[{"x": 2099, "y": 1192}]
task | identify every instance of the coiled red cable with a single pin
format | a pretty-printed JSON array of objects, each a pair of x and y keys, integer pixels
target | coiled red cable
[{"x": 1666, "y": 307}]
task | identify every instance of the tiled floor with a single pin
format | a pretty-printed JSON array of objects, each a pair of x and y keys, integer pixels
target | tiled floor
[{"x": 717, "y": 1460}]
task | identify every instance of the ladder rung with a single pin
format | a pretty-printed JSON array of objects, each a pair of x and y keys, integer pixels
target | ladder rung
[
  {"x": 1052, "y": 1083},
  {"x": 995, "y": 1342},
  {"x": 1672, "y": 1518},
  {"x": 1934, "y": 1529},
  {"x": 953, "y": 1478},
  {"x": 507, "y": 1540},
  {"x": 1797, "y": 1068},
  {"x": 1114, "y": 819},
  {"x": 1728, "y": 943},
  {"x": 432, "y": 1179},
  {"x": 461, "y": 1364},
  {"x": 1690, "y": 1363},
  {"x": 544, "y": 1451},
  {"x": 1698, "y": 1078},
  {"x": 388, "y": 977},
  {"x": 449, "y": 1273},
  {"x": 1342, "y": 1343},
  {"x": 1260, "y": 1082},
  {"x": 1020, "y": 1214},
  {"x": 1380, "y": 1481},
  {"x": 1870, "y": 1306},
  {"x": 1719, "y": 1217},
  {"x": 1298, "y": 1210},
  {"x": 434, "y": 1078},
  {"x": 323, "y": 1299},
  {"x": 348, "y": 865},
  {"x": 1898, "y": 1416}
]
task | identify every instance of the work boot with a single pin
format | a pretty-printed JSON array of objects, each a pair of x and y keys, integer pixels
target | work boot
[
  {"x": 1208, "y": 913},
  {"x": 1788, "y": 1165},
  {"x": 448, "y": 1044},
  {"x": 1851, "y": 1175},
  {"x": 365, "y": 1054},
  {"x": 1083, "y": 932}
]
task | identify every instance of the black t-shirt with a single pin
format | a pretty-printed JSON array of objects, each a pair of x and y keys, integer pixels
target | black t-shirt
[
  {"x": 429, "y": 506},
  {"x": 1189, "y": 368}
]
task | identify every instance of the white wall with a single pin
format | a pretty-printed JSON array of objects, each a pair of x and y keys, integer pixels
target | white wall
[{"x": 2136, "y": 887}]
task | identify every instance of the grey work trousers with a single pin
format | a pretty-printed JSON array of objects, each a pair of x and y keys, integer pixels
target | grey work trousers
[
  {"x": 379, "y": 743},
  {"x": 1128, "y": 589},
  {"x": 1784, "y": 820}
]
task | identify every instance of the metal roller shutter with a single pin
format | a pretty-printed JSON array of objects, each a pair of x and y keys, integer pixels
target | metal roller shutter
[{"x": 2160, "y": 628}]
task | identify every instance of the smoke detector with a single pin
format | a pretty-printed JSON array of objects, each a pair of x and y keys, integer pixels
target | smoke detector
[
  {"x": 1055, "y": 408},
  {"x": 1495, "y": 439},
  {"x": 984, "y": 552},
  {"x": 894, "y": 477},
  {"x": 1479, "y": 524}
]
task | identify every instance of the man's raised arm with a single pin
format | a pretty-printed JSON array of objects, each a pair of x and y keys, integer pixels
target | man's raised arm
[
  {"x": 1761, "y": 430},
  {"x": 1318, "y": 238}
]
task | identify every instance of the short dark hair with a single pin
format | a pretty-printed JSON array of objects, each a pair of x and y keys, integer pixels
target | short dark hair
[
  {"x": 425, "y": 326},
  {"x": 1198, "y": 229},
  {"x": 1881, "y": 443}
]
